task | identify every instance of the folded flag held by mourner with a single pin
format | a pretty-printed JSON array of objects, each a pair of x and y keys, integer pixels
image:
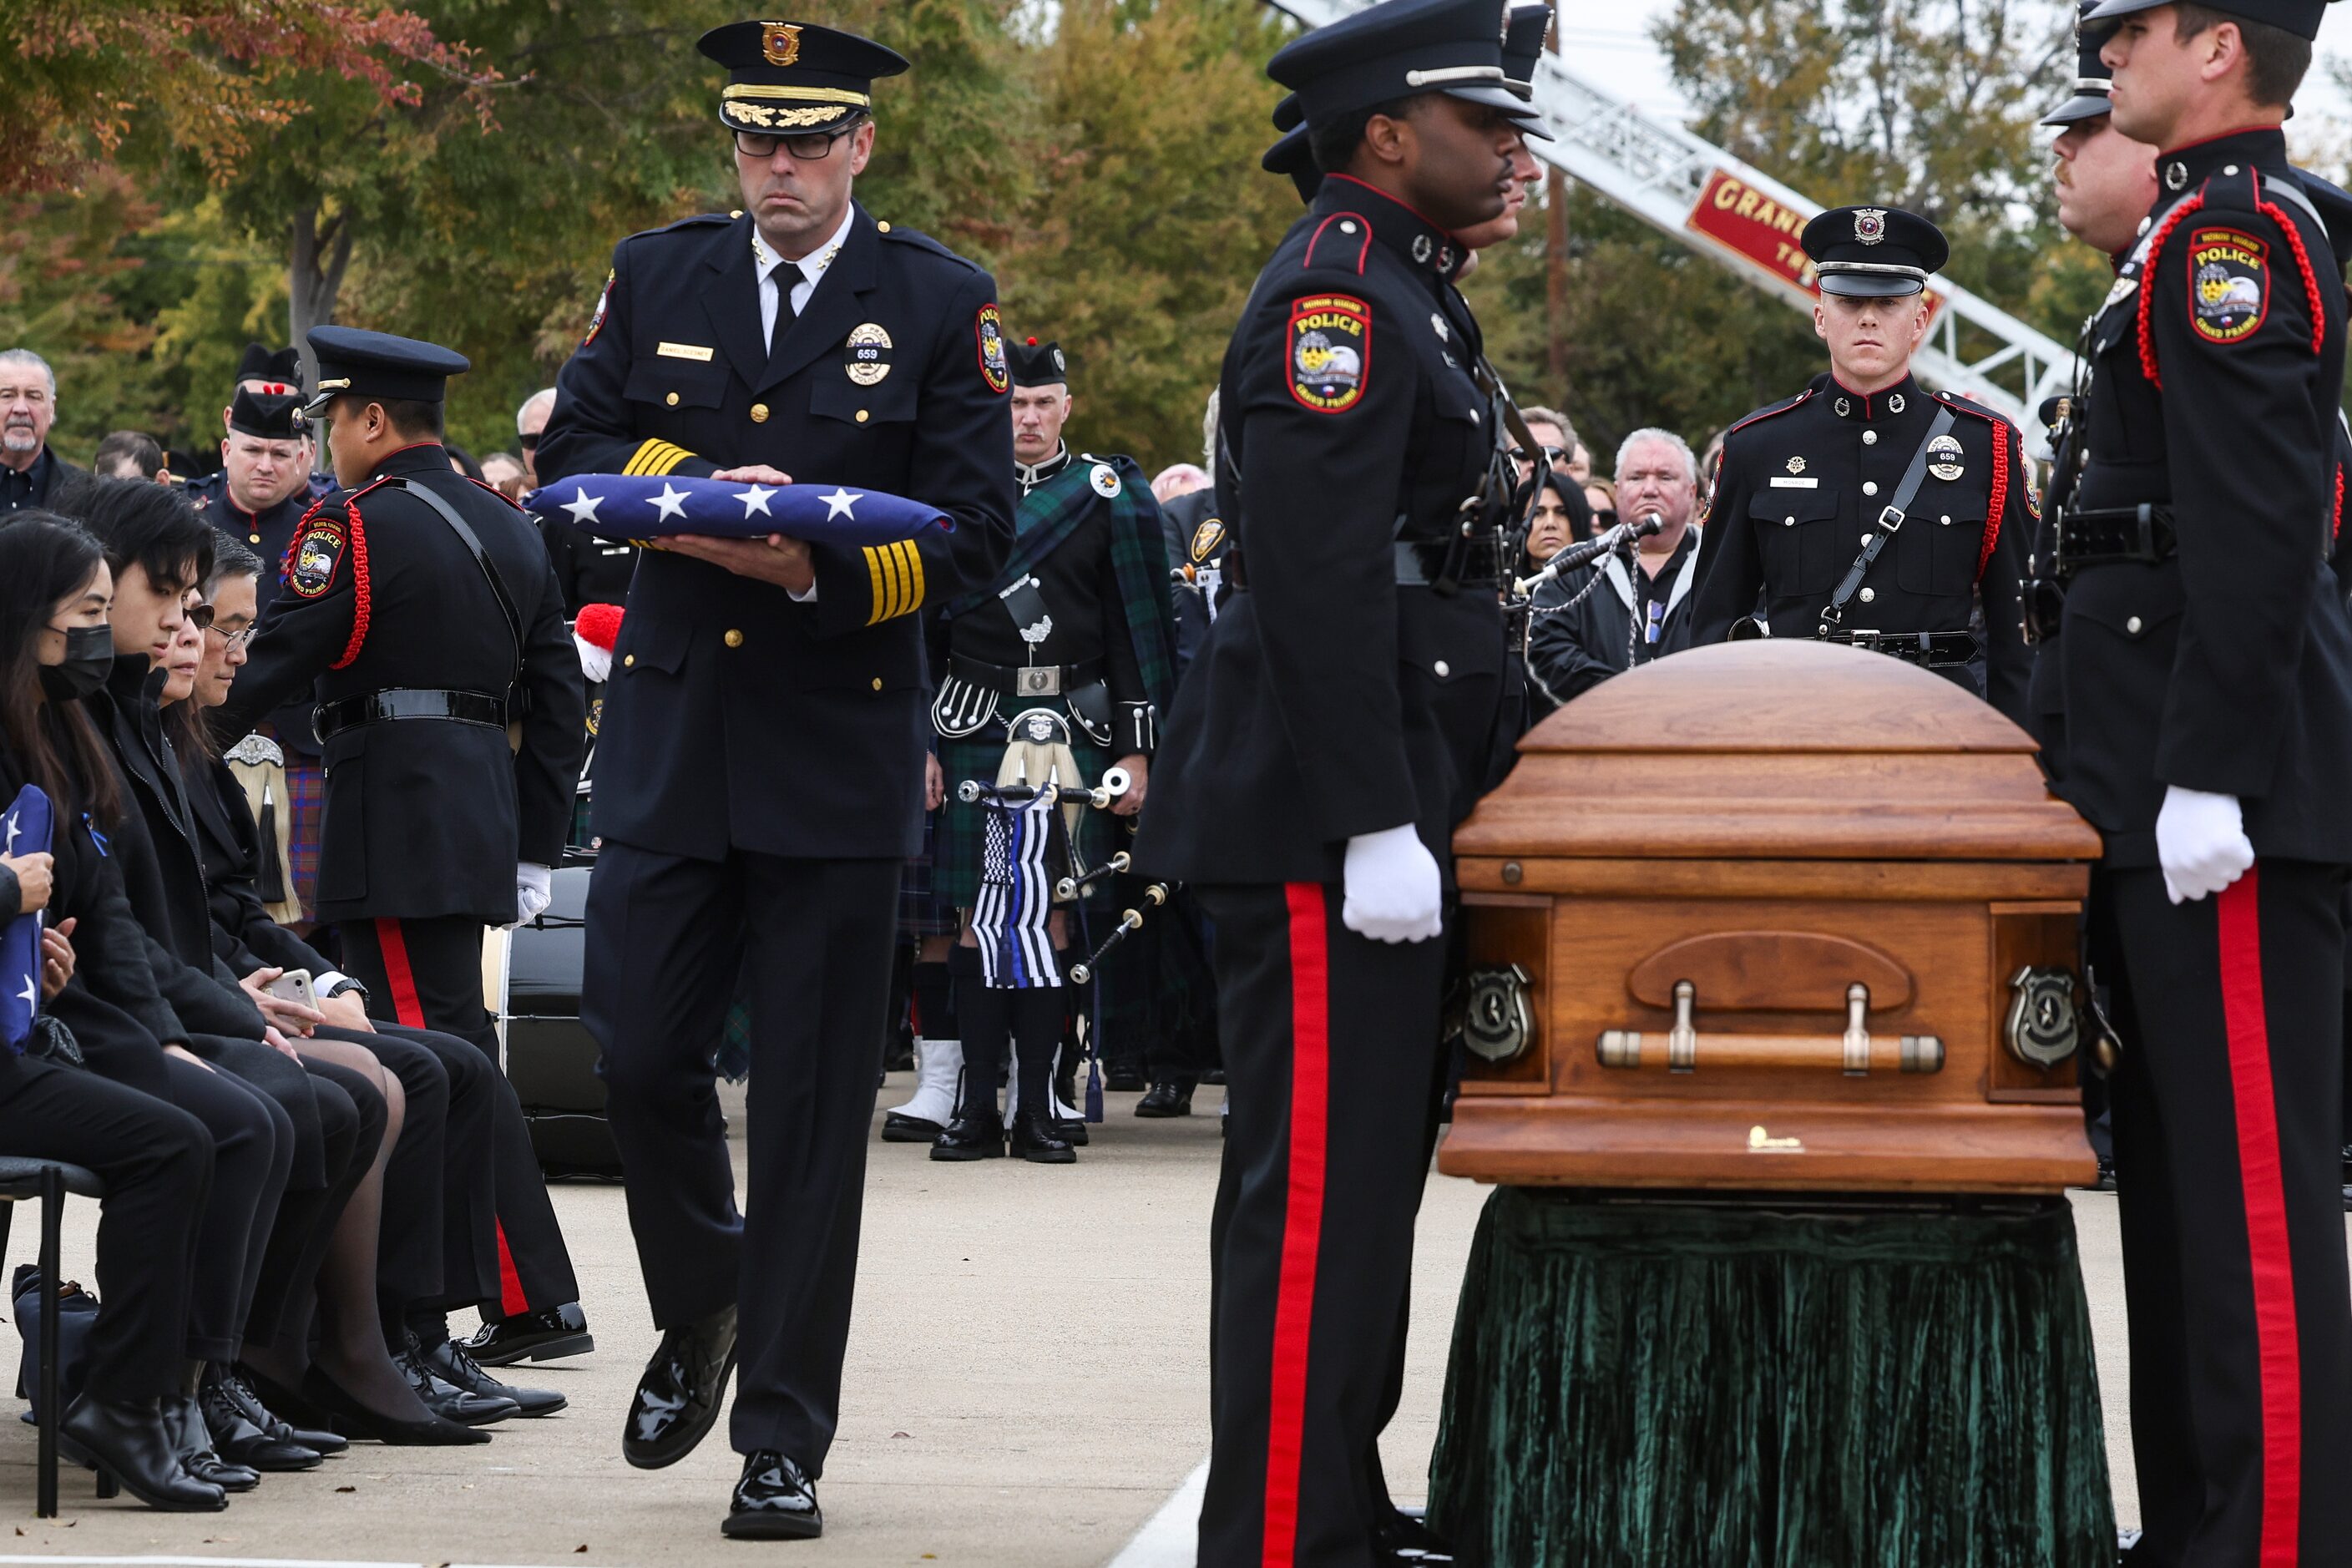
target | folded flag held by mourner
[
  {"x": 655, "y": 506},
  {"x": 24, "y": 830}
]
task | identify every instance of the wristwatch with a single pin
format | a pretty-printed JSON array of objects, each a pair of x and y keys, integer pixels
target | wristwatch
[{"x": 347, "y": 987}]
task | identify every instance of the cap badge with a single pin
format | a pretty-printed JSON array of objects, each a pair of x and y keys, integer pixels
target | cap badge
[
  {"x": 780, "y": 43},
  {"x": 866, "y": 356},
  {"x": 1060, "y": 362},
  {"x": 1795, "y": 465},
  {"x": 1870, "y": 225},
  {"x": 1422, "y": 248},
  {"x": 1945, "y": 458}
]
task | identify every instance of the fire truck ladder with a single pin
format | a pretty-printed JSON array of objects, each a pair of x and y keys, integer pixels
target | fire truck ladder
[{"x": 1686, "y": 187}]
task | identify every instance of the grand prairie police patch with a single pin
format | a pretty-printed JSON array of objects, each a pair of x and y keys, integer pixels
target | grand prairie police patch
[
  {"x": 994, "y": 368},
  {"x": 317, "y": 552},
  {"x": 596, "y": 321},
  {"x": 2228, "y": 284},
  {"x": 1330, "y": 351}
]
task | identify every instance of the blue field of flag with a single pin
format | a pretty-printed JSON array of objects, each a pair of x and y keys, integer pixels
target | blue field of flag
[
  {"x": 24, "y": 830},
  {"x": 654, "y": 506}
]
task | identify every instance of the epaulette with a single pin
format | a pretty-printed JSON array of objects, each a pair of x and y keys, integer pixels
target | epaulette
[
  {"x": 699, "y": 220},
  {"x": 1767, "y": 412},
  {"x": 921, "y": 241},
  {"x": 1352, "y": 242},
  {"x": 1970, "y": 405}
]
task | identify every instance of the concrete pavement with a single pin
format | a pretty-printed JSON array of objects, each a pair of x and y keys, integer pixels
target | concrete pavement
[{"x": 1027, "y": 1384}]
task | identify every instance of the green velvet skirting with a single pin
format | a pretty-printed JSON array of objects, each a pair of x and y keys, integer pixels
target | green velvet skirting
[{"x": 1699, "y": 1384}]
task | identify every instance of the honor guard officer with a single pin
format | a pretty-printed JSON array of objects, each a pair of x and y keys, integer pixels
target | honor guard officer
[
  {"x": 760, "y": 769},
  {"x": 2207, "y": 657},
  {"x": 1866, "y": 510},
  {"x": 418, "y": 608},
  {"x": 1337, "y": 725}
]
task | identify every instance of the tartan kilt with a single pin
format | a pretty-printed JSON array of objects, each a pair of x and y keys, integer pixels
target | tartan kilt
[
  {"x": 963, "y": 834},
  {"x": 306, "y": 808},
  {"x": 921, "y": 912}
]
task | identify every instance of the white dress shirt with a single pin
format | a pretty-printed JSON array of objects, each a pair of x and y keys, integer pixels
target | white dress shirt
[{"x": 809, "y": 272}]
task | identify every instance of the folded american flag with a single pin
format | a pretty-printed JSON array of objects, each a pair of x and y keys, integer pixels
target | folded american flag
[
  {"x": 24, "y": 830},
  {"x": 654, "y": 506}
]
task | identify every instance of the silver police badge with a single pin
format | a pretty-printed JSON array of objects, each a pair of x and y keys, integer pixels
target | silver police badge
[
  {"x": 2044, "y": 1027},
  {"x": 1945, "y": 460},
  {"x": 1869, "y": 225},
  {"x": 1499, "y": 1021}
]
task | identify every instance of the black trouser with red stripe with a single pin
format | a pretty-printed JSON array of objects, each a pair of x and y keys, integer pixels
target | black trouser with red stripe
[
  {"x": 427, "y": 974},
  {"x": 1331, "y": 1041},
  {"x": 2228, "y": 1123}
]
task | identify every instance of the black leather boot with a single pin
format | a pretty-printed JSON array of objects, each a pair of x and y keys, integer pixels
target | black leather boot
[
  {"x": 1036, "y": 1139},
  {"x": 127, "y": 1444},
  {"x": 976, "y": 1135},
  {"x": 679, "y": 1398}
]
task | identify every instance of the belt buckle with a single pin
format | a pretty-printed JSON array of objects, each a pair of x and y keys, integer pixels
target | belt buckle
[
  {"x": 1891, "y": 518},
  {"x": 2144, "y": 527},
  {"x": 1038, "y": 680}
]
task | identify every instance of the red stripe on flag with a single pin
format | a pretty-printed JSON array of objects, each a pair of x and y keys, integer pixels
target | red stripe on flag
[
  {"x": 511, "y": 1300},
  {"x": 2260, "y": 1176},
  {"x": 405, "y": 1008},
  {"x": 1302, "y": 1220}
]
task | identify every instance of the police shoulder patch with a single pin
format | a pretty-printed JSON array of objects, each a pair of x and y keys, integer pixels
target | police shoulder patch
[
  {"x": 1329, "y": 357},
  {"x": 596, "y": 321},
  {"x": 318, "y": 550},
  {"x": 2228, "y": 284},
  {"x": 988, "y": 330}
]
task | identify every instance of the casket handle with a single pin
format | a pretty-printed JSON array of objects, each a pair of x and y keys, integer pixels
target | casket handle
[{"x": 1855, "y": 1052}]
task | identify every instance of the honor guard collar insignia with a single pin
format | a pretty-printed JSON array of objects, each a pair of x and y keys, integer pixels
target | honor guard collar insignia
[
  {"x": 1873, "y": 252},
  {"x": 271, "y": 415},
  {"x": 789, "y": 76},
  {"x": 2300, "y": 17},
  {"x": 280, "y": 371},
  {"x": 1038, "y": 364},
  {"x": 353, "y": 362},
  {"x": 1399, "y": 49},
  {"x": 2095, "y": 85}
]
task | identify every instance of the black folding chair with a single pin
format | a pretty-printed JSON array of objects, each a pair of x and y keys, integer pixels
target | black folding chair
[{"x": 22, "y": 1179}]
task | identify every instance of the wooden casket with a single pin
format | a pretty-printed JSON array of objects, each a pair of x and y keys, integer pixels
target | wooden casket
[{"x": 1774, "y": 915}]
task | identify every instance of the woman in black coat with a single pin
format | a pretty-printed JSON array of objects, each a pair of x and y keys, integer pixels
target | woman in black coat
[{"x": 156, "y": 1159}]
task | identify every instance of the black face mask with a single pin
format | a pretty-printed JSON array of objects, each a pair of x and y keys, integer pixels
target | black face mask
[{"x": 90, "y": 658}]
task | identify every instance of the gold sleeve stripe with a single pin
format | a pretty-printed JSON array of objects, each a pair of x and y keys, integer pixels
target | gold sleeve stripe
[
  {"x": 655, "y": 457},
  {"x": 914, "y": 576},
  {"x": 880, "y": 579},
  {"x": 897, "y": 573}
]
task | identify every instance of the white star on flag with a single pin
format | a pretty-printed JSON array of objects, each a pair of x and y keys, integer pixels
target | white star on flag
[
  {"x": 756, "y": 500},
  {"x": 671, "y": 503},
  {"x": 11, "y": 848},
  {"x": 31, "y": 995},
  {"x": 838, "y": 504},
  {"x": 582, "y": 506}
]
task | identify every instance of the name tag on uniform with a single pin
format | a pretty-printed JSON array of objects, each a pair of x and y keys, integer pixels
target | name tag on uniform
[
  {"x": 682, "y": 350},
  {"x": 1783, "y": 483}
]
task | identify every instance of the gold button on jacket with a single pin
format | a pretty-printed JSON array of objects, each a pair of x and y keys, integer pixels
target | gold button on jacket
[{"x": 734, "y": 637}]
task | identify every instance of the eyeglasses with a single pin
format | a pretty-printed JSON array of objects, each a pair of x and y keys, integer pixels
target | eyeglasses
[
  {"x": 805, "y": 148},
  {"x": 233, "y": 639},
  {"x": 199, "y": 615},
  {"x": 528, "y": 443}
]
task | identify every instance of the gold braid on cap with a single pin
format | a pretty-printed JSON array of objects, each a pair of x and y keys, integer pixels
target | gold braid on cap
[{"x": 771, "y": 119}]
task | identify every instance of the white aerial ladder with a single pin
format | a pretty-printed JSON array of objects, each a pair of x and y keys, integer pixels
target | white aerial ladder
[{"x": 1687, "y": 187}]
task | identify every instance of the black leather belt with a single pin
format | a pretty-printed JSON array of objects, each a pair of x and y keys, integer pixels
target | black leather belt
[
  {"x": 1929, "y": 650},
  {"x": 1027, "y": 681},
  {"x": 2103, "y": 536},
  {"x": 379, "y": 707}
]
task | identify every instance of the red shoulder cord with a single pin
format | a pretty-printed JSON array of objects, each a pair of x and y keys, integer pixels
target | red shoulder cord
[
  {"x": 362, "y": 603},
  {"x": 1998, "y": 502},
  {"x": 2337, "y": 531},
  {"x": 2277, "y": 215},
  {"x": 2148, "y": 284}
]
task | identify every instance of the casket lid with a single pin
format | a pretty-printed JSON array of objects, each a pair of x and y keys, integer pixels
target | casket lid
[{"x": 1778, "y": 749}]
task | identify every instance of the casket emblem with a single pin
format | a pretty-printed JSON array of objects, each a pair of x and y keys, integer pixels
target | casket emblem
[{"x": 2044, "y": 1025}]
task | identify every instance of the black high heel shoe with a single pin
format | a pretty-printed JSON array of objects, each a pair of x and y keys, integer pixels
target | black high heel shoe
[
  {"x": 352, "y": 1417},
  {"x": 127, "y": 1443}
]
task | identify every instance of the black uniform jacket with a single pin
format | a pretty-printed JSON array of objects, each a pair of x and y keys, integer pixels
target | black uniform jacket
[
  {"x": 269, "y": 533},
  {"x": 117, "y": 1016},
  {"x": 589, "y": 571},
  {"x": 1331, "y": 700},
  {"x": 1801, "y": 483},
  {"x": 736, "y": 718},
  {"x": 424, "y": 817},
  {"x": 1570, "y": 651},
  {"x": 2228, "y": 667},
  {"x": 1181, "y": 520}
]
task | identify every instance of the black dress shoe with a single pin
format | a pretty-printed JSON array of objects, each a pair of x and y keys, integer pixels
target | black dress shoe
[
  {"x": 262, "y": 1401},
  {"x": 453, "y": 1366},
  {"x": 899, "y": 1128},
  {"x": 446, "y": 1400},
  {"x": 350, "y": 1415},
  {"x": 127, "y": 1444},
  {"x": 1124, "y": 1078},
  {"x": 774, "y": 1501},
  {"x": 1171, "y": 1097},
  {"x": 183, "y": 1420},
  {"x": 239, "y": 1439},
  {"x": 1040, "y": 1142},
  {"x": 1073, "y": 1133},
  {"x": 980, "y": 1137},
  {"x": 532, "y": 1336},
  {"x": 679, "y": 1396},
  {"x": 1403, "y": 1537}
]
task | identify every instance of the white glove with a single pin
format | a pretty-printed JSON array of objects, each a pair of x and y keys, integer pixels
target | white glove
[
  {"x": 1393, "y": 892},
  {"x": 534, "y": 890},
  {"x": 595, "y": 663},
  {"x": 2201, "y": 842}
]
